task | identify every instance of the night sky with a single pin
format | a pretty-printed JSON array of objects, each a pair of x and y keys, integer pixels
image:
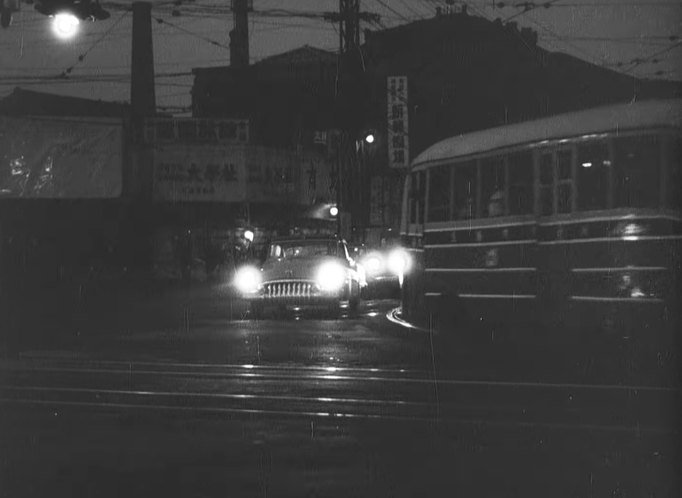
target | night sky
[{"x": 638, "y": 37}]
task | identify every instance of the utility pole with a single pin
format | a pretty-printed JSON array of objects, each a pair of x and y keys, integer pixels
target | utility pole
[
  {"x": 349, "y": 98},
  {"x": 138, "y": 173},
  {"x": 239, "y": 36},
  {"x": 142, "y": 93}
]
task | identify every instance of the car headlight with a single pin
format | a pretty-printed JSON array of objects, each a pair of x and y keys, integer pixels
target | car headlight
[
  {"x": 331, "y": 276},
  {"x": 373, "y": 263},
  {"x": 247, "y": 279},
  {"x": 399, "y": 261}
]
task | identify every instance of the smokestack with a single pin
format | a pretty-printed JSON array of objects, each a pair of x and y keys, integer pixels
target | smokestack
[
  {"x": 142, "y": 94},
  {"x": 239, "y": 36}
]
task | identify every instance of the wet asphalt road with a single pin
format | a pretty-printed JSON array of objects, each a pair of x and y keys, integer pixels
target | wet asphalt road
[{"x": 182, "y": 394}]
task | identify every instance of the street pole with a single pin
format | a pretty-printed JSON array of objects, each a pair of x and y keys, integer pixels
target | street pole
[
  {"x": 348, "y": 101},
  {"x": 338, "y": 187}
]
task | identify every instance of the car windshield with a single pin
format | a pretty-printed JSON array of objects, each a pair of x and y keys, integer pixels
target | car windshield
[{"x": 302, "y": 249}]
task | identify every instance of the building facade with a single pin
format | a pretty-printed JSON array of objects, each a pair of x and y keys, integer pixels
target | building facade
[{"x": 420, "y": 82}]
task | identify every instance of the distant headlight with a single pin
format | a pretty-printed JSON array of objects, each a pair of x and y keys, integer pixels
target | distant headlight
[
  {"x": 331, "y": 276},
  {"x": 399, "y": 261},
  {"x": 247, "y": 279},
  {"x": 373, "y": 263}
]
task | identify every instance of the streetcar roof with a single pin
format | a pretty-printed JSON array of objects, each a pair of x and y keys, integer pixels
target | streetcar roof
[{"x": 621, "y": 117}]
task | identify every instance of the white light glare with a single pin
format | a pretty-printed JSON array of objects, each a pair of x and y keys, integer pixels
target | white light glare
[
  {"x": 398, "y": 262},
  {"x": 247, "y": 279},
  {"x": 369, "y": 138},
  {"x": 587, "y": 165},
  {"x": 331, "y": 276},
  {"x": 333, "y": 210},
  {"x": 65, "y": 25},
  {"x": 248, "y": 235},
  {"x": 373, "y": 263}
]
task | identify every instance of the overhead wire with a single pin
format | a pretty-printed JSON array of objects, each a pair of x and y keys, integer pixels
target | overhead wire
[
  {"x": 651, "y": 57},
  {"x": 527, "y": 7},
  {"x": 82, "y": 57},
  {"x": 160, "y": 20}
]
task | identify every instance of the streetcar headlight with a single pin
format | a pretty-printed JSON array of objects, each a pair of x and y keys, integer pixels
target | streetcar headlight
[
  {"x": 399, "y": 261},
  {"x": 373, "y": 263},
  {"x": 331, "y": 276},
  {"x": 247, "y": 279}
]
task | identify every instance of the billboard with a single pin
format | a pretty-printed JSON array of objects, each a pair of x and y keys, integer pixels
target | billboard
[
  {"x": 60, "y": 158},
  {"x": 223, "y": 131},
  {"x": 186, "y": 172},
  {"x": 238, "y": 173},
  {"x": 398, "y": 132}
]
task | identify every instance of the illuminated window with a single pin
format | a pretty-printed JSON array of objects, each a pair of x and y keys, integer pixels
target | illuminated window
[
  {"x": 493, "y": 187},
  {"x": 520, "y": 183},
  {"x": 637, "y": 168},
  {"x": 465, "y": 190},
  {"x": 546, "y": 184},
  {"x": 439, "y": 193},
  {"x": 594, "y": 168}
]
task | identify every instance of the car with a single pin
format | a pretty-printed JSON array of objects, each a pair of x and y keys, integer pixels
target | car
[
  {"x": 384, "y": 267},
  {"x": 302, "y": 272}
]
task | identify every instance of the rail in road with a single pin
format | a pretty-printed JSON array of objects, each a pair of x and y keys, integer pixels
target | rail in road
[{"x": 333, "y": 392}]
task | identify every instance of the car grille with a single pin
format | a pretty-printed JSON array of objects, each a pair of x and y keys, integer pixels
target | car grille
[{"x": 289, "y": 289}]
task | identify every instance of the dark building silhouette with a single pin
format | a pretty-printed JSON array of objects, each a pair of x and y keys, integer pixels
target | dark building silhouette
[
  {"x": 31, "y": 103},
  {"x": 286, "y": 97},
  {"x": 464, "y": 73}
]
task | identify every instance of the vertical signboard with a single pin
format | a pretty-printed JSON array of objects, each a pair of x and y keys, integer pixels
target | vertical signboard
[{"x": 398, "y": 143}]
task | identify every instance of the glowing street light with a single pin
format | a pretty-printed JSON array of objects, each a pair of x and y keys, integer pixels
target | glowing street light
[
  {"x": 333, "y": 210},
  {"x": 369, "y": 138},
  {"x": 65, "y": 25}
]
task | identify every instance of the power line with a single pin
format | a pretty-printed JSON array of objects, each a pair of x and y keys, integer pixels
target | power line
[
  {"x": 191, "y": 33},
  {"x": 81, "y": 57},
  {"x": 553, "y": 34},
  {"x": 407, "y": 6},
  {"x": 650, "y": 58},
  {"x": 388, "y": 7},
  {"x": 527, "y": 7},
  {"x": 537, "y": 5}
]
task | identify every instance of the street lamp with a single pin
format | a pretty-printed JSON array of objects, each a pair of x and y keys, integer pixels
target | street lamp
[{"x": 369, "y": 138}]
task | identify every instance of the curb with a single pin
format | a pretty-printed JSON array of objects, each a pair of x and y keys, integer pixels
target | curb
[{"x": 394, "y": 316}]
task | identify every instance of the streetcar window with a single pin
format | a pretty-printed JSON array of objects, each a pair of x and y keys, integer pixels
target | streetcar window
[
  {"x": 465, "y": 190},
  {"x": 556, "y": 181},
  {"x": 674, "y": 180},
  {"x": 594, "y": 167},
  {"x": 564, "y": 164},
  {"x": 637, "y": 164},
  {"x": 493, "y": 186},
  {"x": 439, "y": 193},
  {"x": 520, "y": 183},
  {"x": 546, "y": 184},
  {"x": 421, "y": 201}
]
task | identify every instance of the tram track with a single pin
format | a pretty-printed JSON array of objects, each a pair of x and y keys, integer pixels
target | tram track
[{"x": 329, "y": 391}]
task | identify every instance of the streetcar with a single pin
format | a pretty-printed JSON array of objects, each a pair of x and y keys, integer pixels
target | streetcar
[{"x": 563, "y": 229}]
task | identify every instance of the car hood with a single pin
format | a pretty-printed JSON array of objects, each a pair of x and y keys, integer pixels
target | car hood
[{"x": 295, "y": 268}]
